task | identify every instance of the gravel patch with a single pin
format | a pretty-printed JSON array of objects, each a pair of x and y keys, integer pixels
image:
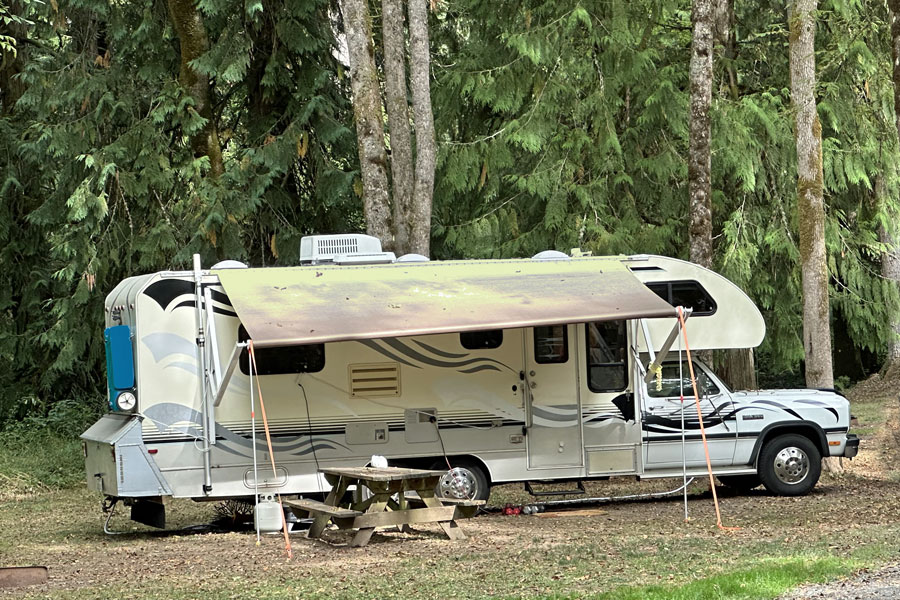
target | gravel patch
[{"x": 883, "y": 584}]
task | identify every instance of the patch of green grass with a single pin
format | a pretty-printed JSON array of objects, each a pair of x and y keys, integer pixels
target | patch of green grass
[
  {"x": 40, "y": 459},
  {"x": 770, "y": 580},
  {"x": 870, "y": 415}
]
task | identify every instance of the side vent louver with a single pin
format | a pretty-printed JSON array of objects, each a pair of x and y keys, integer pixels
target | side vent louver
[{"x": 374, "y": 379}]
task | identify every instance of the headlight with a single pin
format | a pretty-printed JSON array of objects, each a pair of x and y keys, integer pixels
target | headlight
[{"x": 126, "y": 401}]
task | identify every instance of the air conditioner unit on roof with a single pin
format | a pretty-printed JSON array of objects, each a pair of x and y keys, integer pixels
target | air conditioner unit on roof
[{"x": 316, "y": 249}]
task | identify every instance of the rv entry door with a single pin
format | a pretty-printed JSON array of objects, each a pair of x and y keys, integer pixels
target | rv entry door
[{"x": 552, "y": 406}]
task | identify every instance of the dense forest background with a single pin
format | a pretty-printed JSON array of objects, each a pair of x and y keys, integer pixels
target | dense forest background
[{"x": 558, "y": 124}]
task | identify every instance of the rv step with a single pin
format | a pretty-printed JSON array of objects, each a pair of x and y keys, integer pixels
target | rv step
[
  {"x": 316, "y": 507},
  {"x": 578, "y": 491}
]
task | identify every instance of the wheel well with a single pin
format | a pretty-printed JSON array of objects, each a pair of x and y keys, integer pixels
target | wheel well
[{"x": 807, "y": 429}]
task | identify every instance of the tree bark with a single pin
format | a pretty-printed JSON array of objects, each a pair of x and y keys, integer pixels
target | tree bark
[
  {"x": 738, "y": 368},
  {"x": 699, "y": 163},
  {"x": 397, "y": 104},
  {"x": 188, "y": 23},
  {"x": 890, "y": 261},
  {"x": 426, "y": 147},
  {"x": 810, "y": 196},
  {"x": 369, "y": 124}
]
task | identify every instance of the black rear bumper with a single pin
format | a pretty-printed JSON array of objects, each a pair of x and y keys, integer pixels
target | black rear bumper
[{"x": 851, "y": 449}]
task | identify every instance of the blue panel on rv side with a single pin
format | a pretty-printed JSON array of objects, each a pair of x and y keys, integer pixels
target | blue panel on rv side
[{"x": 119, "y": 358}]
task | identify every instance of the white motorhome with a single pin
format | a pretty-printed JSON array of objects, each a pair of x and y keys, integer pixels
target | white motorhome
[{"x": 544, "y": 369}]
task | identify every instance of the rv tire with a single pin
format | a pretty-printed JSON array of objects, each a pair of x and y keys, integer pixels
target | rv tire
[
  {"x": 465, "y": 481},
  {"x": 789, "y": 465}
]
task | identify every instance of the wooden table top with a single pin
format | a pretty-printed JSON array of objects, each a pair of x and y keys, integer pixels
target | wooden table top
[{"x": 380, "y": 473}]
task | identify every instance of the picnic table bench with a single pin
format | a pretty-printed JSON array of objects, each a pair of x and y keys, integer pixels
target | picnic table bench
[{"x": 389, "y": 504}]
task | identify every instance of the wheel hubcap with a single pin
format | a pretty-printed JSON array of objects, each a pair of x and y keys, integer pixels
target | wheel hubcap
[
  {"x": 458, "y": 483},
  {"x": 791, "y": 465}
]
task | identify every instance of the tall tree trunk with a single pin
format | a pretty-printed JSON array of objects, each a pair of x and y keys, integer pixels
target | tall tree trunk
[
  {"x": 810, "y": 201},
  {"x": 369, "y": 124},
  {"x": 699, "y": 164},
  {"x": 810, "y": 198},
  {"x": 426, "y": 148},
  {"x": 890, "y": 261},
  {"x": 397, "y": 104},
  {"x": 12, "y": 87},
  {"x": 188, "y": 23}
]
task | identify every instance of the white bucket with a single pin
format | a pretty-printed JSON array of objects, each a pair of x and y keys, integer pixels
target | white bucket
[{"x": 268, "y": 516}]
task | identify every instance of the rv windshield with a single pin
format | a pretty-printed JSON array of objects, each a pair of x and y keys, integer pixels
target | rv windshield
[{"x": 674, "y": 378}]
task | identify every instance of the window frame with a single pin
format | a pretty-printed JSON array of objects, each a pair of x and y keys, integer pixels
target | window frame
[
  {"x": 623, "y": 363},
  {"x": 564, "y": 357},
  {"x": 489, "y": 346},
  {"x": 262, "y": 353},
  {"x": 668, "y": 290}
]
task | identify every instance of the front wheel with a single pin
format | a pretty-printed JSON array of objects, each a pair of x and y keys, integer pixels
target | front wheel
[
  {"x": 790, "y": 465},
  {"x": 466, "y": 480}
]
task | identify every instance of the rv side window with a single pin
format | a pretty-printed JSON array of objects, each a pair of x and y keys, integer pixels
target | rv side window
[
  {"x": 606, "y": 352},
  {"x": 283, "y": 361},
  {"x": 672, "y": 380},
  {"x": 551, "y": 344},
  {"x": 689, "y": 294},
  {"x": 481, "y": 340}
]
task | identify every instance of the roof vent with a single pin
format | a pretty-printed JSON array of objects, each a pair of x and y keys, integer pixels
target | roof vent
[
  {"x": 551, "y": 255},
  {"x": 317, "y": 249},
  {"x": 229, "y": 264},
  {"x": 407, "y": 258}
]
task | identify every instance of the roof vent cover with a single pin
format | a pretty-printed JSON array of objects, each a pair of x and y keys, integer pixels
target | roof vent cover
[{"x": 316, "y": 249}]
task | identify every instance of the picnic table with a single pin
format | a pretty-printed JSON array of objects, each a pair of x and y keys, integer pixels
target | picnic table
[{"x": 389, "y": 504}]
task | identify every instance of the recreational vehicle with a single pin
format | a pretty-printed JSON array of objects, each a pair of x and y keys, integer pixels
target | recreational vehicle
[{"x": 530, "y": 370}]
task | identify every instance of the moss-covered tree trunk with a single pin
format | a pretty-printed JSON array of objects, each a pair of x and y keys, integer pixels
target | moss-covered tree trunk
[
  {"x": 396, "y": 99},
  {"x": 426, "y": 147},
  {"x": 810, "y": 200},
  {"x": 367, "y": 113},
  {"x": 810, "y": 197},
  {"x": 188, "y": 23},
  {"x": 890, "y": 261}
]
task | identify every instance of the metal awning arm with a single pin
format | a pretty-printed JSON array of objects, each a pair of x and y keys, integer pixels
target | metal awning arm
[
  {"x": 664, "y": 350},
  {"x": 229, "y": 371}
]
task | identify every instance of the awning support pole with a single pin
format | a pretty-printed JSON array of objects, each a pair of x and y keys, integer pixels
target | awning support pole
[
  {"x": 664, "y": 350},
  {"x": 229, "y": 372},
  {"x": 201, "y": 368}
]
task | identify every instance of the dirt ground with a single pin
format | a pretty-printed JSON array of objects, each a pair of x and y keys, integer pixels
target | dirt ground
[{"x": 580, "y": 552}]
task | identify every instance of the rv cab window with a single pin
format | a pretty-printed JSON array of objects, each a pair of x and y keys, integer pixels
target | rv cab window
[
  {"x": 481, "y": 340},
  {"x": 606, "y": 363},
  {"x": 672, "y": 381},
  {"x": 551, "y": 344},
  {"x": 689, "y": 294},
  {"x": 286, "y": 360}
]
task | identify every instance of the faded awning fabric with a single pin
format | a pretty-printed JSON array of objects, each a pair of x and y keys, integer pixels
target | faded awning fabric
[{"x": 316, "y": 304}]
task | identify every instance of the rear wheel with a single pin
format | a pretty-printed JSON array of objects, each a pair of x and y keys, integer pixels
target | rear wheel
[
  {"x": 741, "y": 483},
  {"x": 790, "y": 465},
  {"x": 466, "y": 480}
]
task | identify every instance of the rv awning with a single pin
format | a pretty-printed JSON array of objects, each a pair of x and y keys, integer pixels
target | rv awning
[{"x": 315, "y": 304}]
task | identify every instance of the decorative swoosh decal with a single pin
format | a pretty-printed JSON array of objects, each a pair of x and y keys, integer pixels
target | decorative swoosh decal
[
  {"x": 439, "y": 352},
  {"x": 374, "y": 346},
  {"x": 404, "y": 349},
  {"x": 168, "y": 416}
]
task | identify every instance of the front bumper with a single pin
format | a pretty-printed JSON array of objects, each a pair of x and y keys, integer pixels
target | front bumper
[{"x": 851, "y": 448}]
